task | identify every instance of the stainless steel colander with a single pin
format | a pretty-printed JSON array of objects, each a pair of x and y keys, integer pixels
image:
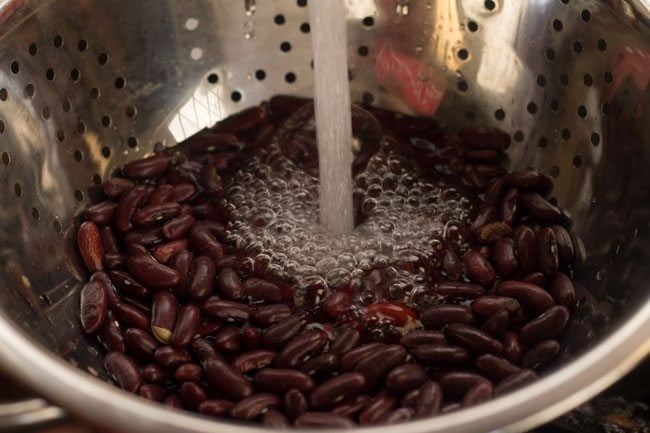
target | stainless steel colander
[{"x": 87, "y": 85}]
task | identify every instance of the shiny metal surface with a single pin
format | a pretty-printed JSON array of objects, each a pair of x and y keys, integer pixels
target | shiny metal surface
[{"x": 86, "y": 86}]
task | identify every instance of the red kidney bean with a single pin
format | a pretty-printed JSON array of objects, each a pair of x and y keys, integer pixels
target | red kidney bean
[
  {"x": 163, "y": 316},
  {"x": 90, "y": 246},
  {"x": 547, "y": 325},
  {"x": 93, "y": 306},
  {"x": 512, "y": 349},
  {"x": 129, "y": 202},
  {"x": 147, "y": 270},
  {"x": 496, "y": 324},
  {"x": 405, "y": 378},
  {"x": 161, "y": 194},
  {"x": 388, "y": 313},
  {"x": 155, "y": 213},
  {"x": 323, "y": 419},
  {"x": 562, "y": 291},
  {"x": 474, "y": 339},
  {"x": 173, "y": 401},
  {"x": 243, "y": 121},
  {"x": 485, "y": 217},
  {"x": 526, "y": 248},
  {"x": 135, "y": 248},
  {"x": 251, "y": 361},
  {"x": 268, "y": 315},
  {"x": 346, "y": 340},
  {"x": 489, "y": 305},
  {"x": 177, "y": 227},
  {"x": 509, "y": 206},
  {"x": 300, "y": 348},
  {"x": 225, "y": 262},
  {"x": 181, "y": 262},
  {"x": 353, "y": 407},
  {"x": 152, "y": 392},
  {"x": 452, "y": 265},
  {"x": 490, "y": 233},
  {"x": 458, "y": 289},
  {"x": 131, "y": 316},
  {"x": 336, "y": 303},
  {"x": 514, "y": 381},
  {"x": 171, "y": 357},
  {"x": 261, "y": 290},
  {"x": 164, "y": 252},
  {"x": 154, "y": 373},
  {"x": 275, "y": 420},
  {"x": 540, "y": 354},
  {"x": 434, "y": 354},
  {"x": 226, "y": 379},
  {"x": 140, "y": 343},
  {"x": 479, "y": 393},
  {"x": 336, "y": 389},
  {"x": 294, "y": 404},
  {"x": 547, "y": 251},
  {"x": 204, "y": 242},
  {"x": 419, "y": 337},
  {"x": 504, "y": 256},
  {"x": 183, "y": 192},
  {"x": 147, "y": 168},
  {"x": 146, "y": 236},
  {"x": 495, "y": 192},
  {"x": 478, "y": 268},
  {"x": 321, "y": 364},
  {"x": 280, "y": 380},
  {"x": 210, "y": 141},
  {"x": 278, "y": 334},
  {"x": 351, "y": 358},
  {"x": 188, "y": 373},
  {"x": 110, "y": 334},
  {"x": 229, "y": 285},
  {"x": 530, "y": 295},
  {"x": 192, "y": 395},
  {"x": 128, "y": 285},
  {"x": 380, "y": 362},
  {"x": 123, "y": 370},
  {"x": 398, "y": 416},
  {"x": 226, "y": 339},
  {"x": 457, "y": 383},
  {"x": 114, "y": 261},
  {"x": 564, "y": 245},
  {"x": 215, "y": 407},
  {"x": 226, "y": 311},
  {"x": 483, "y": 155},
  {"x": 251, "y": 338},
  {"x": 495, "y": 368},
  {"x": 540, "y": 208},
  {"x": 429, "y": 400},
  {"x": 101, "y": 213},
  {"x": 410, "y": 399},
  {"x": 111, "y": 295},
  {"x": 536, "y": 278},
  {"x": 109, "y": 241},
  {"x": 114, "y": 187},
  {"x": 530, "y": 180},
  {"x": 188, "y": 320},
  {"x": 252, "y": 407},
  {"x": 201, "y": 277},
  {"x": 441, "y": 315},
  {"x": 377, "y": 408},
  {"x": 202, "y": 349}
]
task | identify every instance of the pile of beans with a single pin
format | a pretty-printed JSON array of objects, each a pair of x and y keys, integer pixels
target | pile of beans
[{"x": 185, "y": 325}]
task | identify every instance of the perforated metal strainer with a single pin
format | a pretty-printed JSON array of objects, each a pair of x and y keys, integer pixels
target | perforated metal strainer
[{"x": 87, "y": 85}]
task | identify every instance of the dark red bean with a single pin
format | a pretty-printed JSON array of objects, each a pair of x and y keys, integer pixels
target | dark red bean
[
  {"x": 526, "y": 248},
  {"x": 530, "y": 180},
  {"x": 547, "y": 252},
  {"x": 181, "y": 262},
  {"x": 530, "y": 295},
  {"x": 547, "y": 325},
  {"x": 514, "y": 381},
  {"x": 123, "y": 370},
  {"x": 458, "y": 289},
  {"x": 226, "y": 379},
  {"x": 512, "y": 349},
  {"x": 509, "y": 206},
  {"x": 251, "y": 361},
  {"x": 226, "y": 311},
  {"x": 278, "y": 334},
  {"x": 135, "y": 248},
  {"x": 434, "y": 354},
  {"x": 251, "y": 338},
  {"x": 485, "y": 217},
  {"x": 201, "y": 277},
  {"x": 204, "y": 242},
  {"x": 536, "y": 278},
  {"x": 410, "y": 399},
  {"x": 188, "y": 320},
  {"x": 152, "y": 392},
  {"x": 146, "y": 236},
  {"x": 377, "y": 408},
  {"x": 336, "y": 303},
  {"x": 176, "y": 228},
  {"x": 346, "y": 340},
  {"x": 380, "y": 362},
  {"x": 495, "y": 368},
  {"x": 147, "y": 168},
  {"x": 171, "y": 357},
  {"x": 225, "y": 262},
  {"x": 478, "y": 268},
  {"x": 101, "y": 213},
  {"x": 261, "y": 290},
  {"x": 140, "y": 342},
  {"x": 114, "y": 261},
  {"x": 479, "y": 393},
  {"x": 268, "y": 315},
  {"x": 564, "y": 245},
  {"x": 104, "y": 280},
  {"x": 490, "y": 233},
  {"x": 398, "y": 416},
  {"x": 353, "y": 407},
  {"x": 147, "y": 270},
  {"x": 173, "y": 401},
  {"x": 483, "y": 155},
  {"x": 154, "y": 373},
  {"x": 452, "y": 265},
  {"x": 563, "y": 291},
  {"x": 496, "y": 324},
  {"x": 540, "y": 208},
  {"x": 183, "y": 192},
  {"x": 131, "y": 316},
  {"x": 202, "y": 349},
  {"x": 188, "y": 373},
  {"x": 215, "y": 407},
  {"x": 280, "y": 380},
  {"x": 210, "y": 141},
  {"x": 336, "y": 389},
  {"x": 164, "y": 252},
  {"x": 155, "y": 213},
  {"x": 110, "y": 334},
  {"x": 109, "y": 240},
  {"x": 351, "y": 358},
  {"x": 294, "y": 404},
  {"x": 441, "y": 315},
  {"x": 226, "y": 339},
  {"x": 163, "y": 316},
  {"x": 504, "y": 256},
  {"x": 405, "y": 378},
  {"x": 192, "y": 395},
  {"x": 275, "y": 420},
  {"x": 93, "y": 306},
  {"x": 418, "y": 337},
  {"x": 161, "y": 194},
  {"x": 229, "y": 285},
  {"x": 123, "y": 281},
  {"x": 489, "y": 305},
  {"x": 252, "y": 407},
  {"x": 301, "y": 348},
  {"x": 129, "y": 202},
  {"x": 321, "y": 364},
  {"x": 114, "y": 187},
  {"x": 474, "y": 339},
  {"x": 243, "y": 121},
  {"x": 540, "y": 354},
  {"x": 456, "y": 384},
  {"x": 323, "y": 419},
  {"x": 89, "y": 242}
]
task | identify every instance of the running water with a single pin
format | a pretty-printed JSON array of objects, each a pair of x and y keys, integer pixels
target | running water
[{"x": 333, "y": 114}]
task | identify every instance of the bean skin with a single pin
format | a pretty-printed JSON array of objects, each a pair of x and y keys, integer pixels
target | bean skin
[
  {"x": 171, "y": 357},
  {"x": 152, "y": 392},
  {"x": 458, "y": 290},
  {"x": 89, "y": 242},
  {"x": 155, "y": 213},
  {"x": 336, "y": 389},
  {"x": 129, "y": 202},
  {"x": 530, "y": 295},
  {"x": 93, "y": 306},
  {"x": 526, "y": 247},
  {"x": 147, "y": 168},
  {"x": 268, "y": 315},
  {"x": 479, "y": 393},
  {"x": 129, "y": 287},
  {"x": 418, "y": 337},
  {"x": 536, "y": 278},
  {"x": 101, "y": 213},
  {"x": 398, "y": 416},
  {"x": 496, "y": 324},
  {"x": 547, "y": 325},
  {"x": 188, "y": 373},
  {"x": 457, "y": 383},
  {"x": 201, "y": 277},
  {"x": 275, "y": 420},
  {"x": 204, "y": 242},
  {"x": 563, "y": 291},
  {"x": 163, "y": 316},
  {"x": 478, "y": 268},
  {"x": 346, "y": 340},
  {"x": 512, "y": 349},
  {"x": 229, "y": 284},
  {"x": 177, "y": 227},
  {"x": 353, "y": 407},
  {"x": 529, "y": 180},
  {"x": 116, "y": 186},
  {"x": 514, "y": 381},
  {"x": 187, "y": 324},
  {"x": 226, "y": 311},
  {"x": 261, "y": 290},
  {"x": 192, "y": 395},
  {"x": 147, "y": 270},
  {"x": 110, "y": 334},
  {"x": 226, "y": 339},
  {"x": 378, "y": 364},
  {"x": 131, "y": 316},
  {"x": 141, "y": 343},
  {"x": 489, "y": 305},
  {"x": 378, "y": 407},
  {"x": 540, "y": 208},
  {"x": 203, "y": 350},
  {"x": 215, "y": 407},
  {"x": 154, "y": 373},
  {"x": 564, "y": 245},
  {"x": 505, "y": 259},
  {"x": 351, "y": 358},
  {"x": 509, "y": 206},
  {"x": 278, "y": 334},
  {"x": 123, "y": 370},
  {"x": 322, "y": 364},
  {"x": 226, "y": 379}
]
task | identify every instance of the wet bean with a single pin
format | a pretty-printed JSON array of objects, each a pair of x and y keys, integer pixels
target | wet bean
[
  {"x": 536, "y": 278},
  {"x": 89, "y": 242},
  {"x": 437, "y": 317},
  {"x": 526, "y": 248},
  {"x": 201, "y": 277},
  {"x": 147, "y": 270},
  {"x": 226, "y": 339},
  {"x": 405, "y": 378},
  {"x": 346, "y": 340},
  {"x": 495, "y": 368},
  {"x": 188, "y": 320},
  {"x": 123, "y": 370},
  {"x": 479, "y": 393},
  {"x": 530, "y": 180},
  {"x": 155, "y": 213},
  {"x": 173, "y": 401},
  {"x": 251, "y": 338},
  {"x": 564, "y": 245},
  {"x": 268, "y": 315},
  {"x": 140, "y": 343},
  {"x": 505, "y": 259},
  {"x": 129, "y": 202},
  {"x": 163, "y": 316},
  {"x": 478, "y": 269},
  {"x": 434, "y": 354},
  {"x": 300, "y": 348},
  {"x": 188, "y": 373},
  {"x": 275, "y": 420},
  {"x": 152, "y": 392},
  {"x": 294, "y": 404},
  {"x": 252, "y": 407},
  {"x": 192, "y": 395},
  {"x": 398, "y": 416},
  {"x": 202, "y": 349},
  {"x": 254, "y": 360},
  {"x": 131, "y": 316},
  {"x": 336, "y": 389},
  {"x": 458, "y": 290},
  {"x": 539, "y": 207},
  {"x": 261, "y": 290},
  {"x": 147, "y": 168},
  {"x": 324, "y": 419},
  {"x": 154, "y": 373},
  {"x": 123, "y": 281},
  {"x": 114, "y": 187},
  {"x": 452, "y": 265},
  {"x": 204, "y": 242},
  {"x": 93, "y": 306},
  {"x": 512, "y": 349},
  {"x": 377, "y": 408},
  {"x": 540, "y": 354},
  {"x": 490, "y": 233},
  {"x": 181, "y": 262},
  {"x": 171, "y": 357},
  {"x": 380, "y": 362},
  {"x": 336, "y": 303},
  {"x": 485, "y": 217},
  {"x": 322, "y": 364},
  {"x": 183, "y": 192},
  {"x": 474, "y": 339},
  {"x": 489, "y": 305},
  {"x": 456, "y": 384},
  {"x": 101, "y": 213},
  {"x": 410, "y": 399},
  {"x": 419, "y": 337},
  {"x": 353, "y": 407},
  {"x": 226, "y": 311},
  {"x": 110, "y": 334},
  {"x": 530, "y": 295},
  {"x": 496, "y": 324},
  {"x": 161, "y": 194},
  {"x": 278, "y": 334},
  {"x": 229, "y": 285},
  {"x": 215, "y": 407},
  {"x": 351, "y": 358},
  {"x": 509, "y": 206},
  {"x": 514, "y": 381},
  {"x": 176, "y": 228},
  {"x": 429, "y": 400},
  {"x": 280, "y": 380},
  {"x": 547, "y": 252},
  {"x": 164, "y": 252},
  {"x": 242, "y": 122},
  {"x": 563, "y": 291},
  {"x": 226, "y": 379},
  {"x": 547, "y": 325}
]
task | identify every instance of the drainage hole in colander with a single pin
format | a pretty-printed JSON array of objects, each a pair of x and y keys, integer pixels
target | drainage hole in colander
[
  {"x": 120, "y": 82},
  {"x": 131, "y": 111},
  {"x": 82, "y": 45},
  {"x": 301, "y": 3},
  {"x": 97, "y": 179},
  {"x": 577, "y": 161},
  {"x": 33, "y": 49},
  {"x": 602, "y": 44},
  {"x": 368, "y": 98},
  {"x": 608, "y": 77},
  {"x": 305, "y": 28},
  {"x": 605, "y": 108},
  {"x": 582, "y": 111},
  {"x": 106, "y": 121},
  {"x": 542, "y": 142},
  {"x": 588, "y": 80},
  {"x": 472, "y": 26},
  {"x": 60, "y": 135},
  {"x": 81, "y": 126},
  {"x": 3, "y": 94},
  {"x": 555, "y": 171},
  {"x": 541, "y": 80},
  {"x": 78, "y": 156},
  {"x": 585, "y": 15},
  {"x": 549, "y": 54},
  {"x": 29, "y": 90},
  {"x": 6, "y": 159},
  {"x": 49, "y": 74},
  {"x": 290, "y": 77},
  {"x": 213, "y": 78},
  {"x": 557, "y": 25},
  {"x": 15, "y": 68},
  {"x": 75, "y": 75},
  {"x": 106, "y": 152},
  {"x": 532, "y": 107},
  {"x": 56, "y": 225},
  {"x": 363, "y": 51},
  {"x": 499, "y": 114},
  {"x": 102, "y": 59},
  {"x": 66, "y": 105},
  {"x": 279, "y": 19},
  {"x": 235, "y": 96},
  {"x": 518, "y": 136},
  {"x": 94, "y": 93},
  {"x": 45, "y": 112},
  {"x": 2, "y": 127},
  {"x": 566, "y": 134},
  {"x": 36, "y": 215},
  {"x": 554, "y": 105},
  {"x": 577, "y": 47},
  {"x": 368, "y": 21},
  {"x": 490, "y": 5},
  {"x": 132, "y": 142},
  {"x": 463, "y": 86},
  {"x": 260, "y": 74},
  {"x": 564, "y": 79},
  {"x": 285, "y": 47},
  {"x": 595, "y": 139},
  {"x": 57, "y": 41},
  {"x": 18, "y": 190}
]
